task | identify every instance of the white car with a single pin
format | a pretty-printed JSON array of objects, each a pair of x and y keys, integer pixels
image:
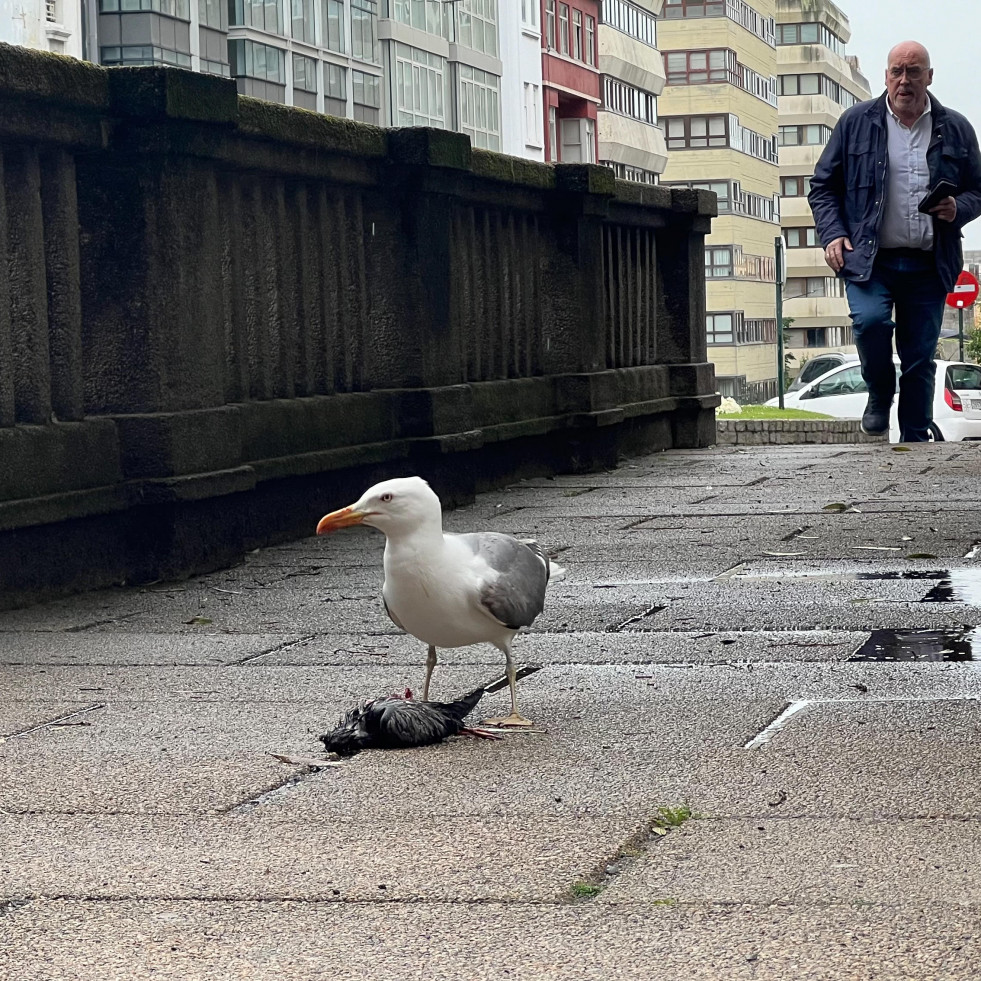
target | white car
[{"x": 841, "y": 393}]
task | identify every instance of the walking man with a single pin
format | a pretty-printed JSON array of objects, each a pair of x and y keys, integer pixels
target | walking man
[{"x": 882, "y": 158}]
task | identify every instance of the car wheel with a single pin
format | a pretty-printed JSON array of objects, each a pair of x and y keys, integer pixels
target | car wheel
[{"x": 935, "y": 435}]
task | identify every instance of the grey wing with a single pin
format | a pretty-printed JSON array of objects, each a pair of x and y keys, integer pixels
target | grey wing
[{"x": 517, "y": 596}]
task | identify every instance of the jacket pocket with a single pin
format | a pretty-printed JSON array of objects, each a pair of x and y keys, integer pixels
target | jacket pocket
[{"x": 860, "y": 165}]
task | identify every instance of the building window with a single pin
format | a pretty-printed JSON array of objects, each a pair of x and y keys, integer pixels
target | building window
[
  {"x": 815, "y": 134},
  {"x": 304, "y": 73},
  {"x": 475, "y": 24},
  {"x": 366, "y": 95},
  {"x": 335, "y": 89},
  {"x": 364, "y": 30},
  {"x": 678, "y": 9},
  {"x": 550, "y": 24},
  {"x": 424, "y": 15},
  {"x": 172, "y": 8},
  {"x": 333, "y": 26},
  {"x": 590, "y": 40},
  {"x": 625, "y": 172},
  {"x": 143, "y": 54},
  {"x": 480, "y": 107},
  {"x": 577, "y": 35},
  {"x": 533, "y": 115},
  {"x": 419, "y": 81},
  {"x": 264, "y": 15},
  {"x": 798, "y": 288},
  {"x": 209, "y": 13},
  {"x": 578, "y": 140},
  {"x": 720, "y": 327},
  {"x": 809, "y": 34},
  {"x": 626, "y": 100},
  {"x": 795, "y": 187},
  {"x": 696, "y": 132},
  {"x": 255, "y": 60},
  {"x": 530, "y": 14},
  {"x": 700, "y": 67},
  {"x": 718, "y": 262},
  {"x": 630, "y": 20},
  {"x": 802, "y": 237},
  {"x": 563, "y": 28},
  {"x": 303, "y": 20},
  {"x": 553, "y": 145}
]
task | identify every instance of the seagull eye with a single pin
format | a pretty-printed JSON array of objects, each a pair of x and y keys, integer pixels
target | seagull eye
[{"x": 386, "y": 498}]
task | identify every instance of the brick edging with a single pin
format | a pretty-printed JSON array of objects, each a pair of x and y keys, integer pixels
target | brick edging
[{"x": 759, "y": 431}]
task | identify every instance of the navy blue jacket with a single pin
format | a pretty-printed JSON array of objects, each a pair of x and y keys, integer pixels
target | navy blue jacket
[{"x": 848, "y": 186}]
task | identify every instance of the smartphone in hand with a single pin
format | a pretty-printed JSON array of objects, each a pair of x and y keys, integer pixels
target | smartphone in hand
[{"x": 936, "y": 194}]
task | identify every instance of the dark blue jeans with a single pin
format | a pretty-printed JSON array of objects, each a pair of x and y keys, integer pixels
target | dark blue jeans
[{"x": 907, "y": 280}]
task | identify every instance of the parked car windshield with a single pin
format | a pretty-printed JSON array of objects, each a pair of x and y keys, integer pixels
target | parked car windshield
[{"x": 844, "y": 382}]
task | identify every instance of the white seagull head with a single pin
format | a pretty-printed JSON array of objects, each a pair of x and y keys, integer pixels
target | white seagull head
[{"x": 398, "y": 506}]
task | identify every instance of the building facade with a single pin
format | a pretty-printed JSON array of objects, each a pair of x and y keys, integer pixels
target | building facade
[
  {"x": 570, "y": 79},
  {"x": 523, "y": 119},
  {"x": 719, "y": 112},
  {"x": 389, "y": 62},
  {"x": 50, "y": 25},
  {"x": 630, "y": 139},
  {"x": 817, "y": 83}
]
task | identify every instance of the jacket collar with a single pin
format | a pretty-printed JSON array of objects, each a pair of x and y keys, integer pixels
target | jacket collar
[{"x": 879, "y": 107}]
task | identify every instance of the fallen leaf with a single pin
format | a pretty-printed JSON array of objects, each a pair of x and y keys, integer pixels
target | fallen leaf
[
  {"x": 835, "y": 506},
  {"x": 198, "y": 621},
  {"x": 785, "y": 553},
  {"x": 900, "y": 449},
  {"x": 921, "y": 555}
]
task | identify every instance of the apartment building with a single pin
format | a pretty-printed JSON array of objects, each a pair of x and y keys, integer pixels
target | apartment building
[
  {"x": 523, "y": 115},
  {"x": 390, "y": 62},
  {"x": 817, "y": 83},
  {"x": 630, "y": 139},
  {"x": 570, "y": 80},
  {"x": 719, "y": 113},
  {"x": 50, "y": 25}
]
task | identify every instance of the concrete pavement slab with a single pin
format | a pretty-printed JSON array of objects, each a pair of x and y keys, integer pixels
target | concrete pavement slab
[
  {"x": 137, "y": 648},
  {"x": 65, "y": 940},
  {"x": 807, "y": 860},
  {"x": 464, "y": 859}
]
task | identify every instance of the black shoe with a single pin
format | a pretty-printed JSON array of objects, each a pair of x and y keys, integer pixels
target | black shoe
[{"x": 875, "y": 423}]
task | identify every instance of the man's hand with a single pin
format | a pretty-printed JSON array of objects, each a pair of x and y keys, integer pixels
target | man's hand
[
  {"x": 834, "y": 254},
  {"x": 946, "y": 210}
]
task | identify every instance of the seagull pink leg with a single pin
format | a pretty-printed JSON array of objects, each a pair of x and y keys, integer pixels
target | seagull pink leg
[
  {"x": 515, "y": 720},
  {"x": 430, "y": 664}
]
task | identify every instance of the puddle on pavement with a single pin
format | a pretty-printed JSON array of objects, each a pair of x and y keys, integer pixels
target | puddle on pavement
[
  {"x": 892, "y": 646},
  {"x": 952, "y": 585}
]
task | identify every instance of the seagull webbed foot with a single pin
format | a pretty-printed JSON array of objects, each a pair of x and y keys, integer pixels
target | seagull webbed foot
[{"x": 512, "y": 721}]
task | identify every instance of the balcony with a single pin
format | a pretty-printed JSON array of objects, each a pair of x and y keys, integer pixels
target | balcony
[{"x": 631, "y": 142}]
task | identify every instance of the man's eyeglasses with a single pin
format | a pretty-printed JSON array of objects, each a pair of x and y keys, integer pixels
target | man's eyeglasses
[{"x": 913, "y": 72}]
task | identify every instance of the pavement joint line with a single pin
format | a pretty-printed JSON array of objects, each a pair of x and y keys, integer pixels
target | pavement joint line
[
  {"x": 273, "y": 792},
  {"x": 56, "y": 720},
  {"x": 276, "y": 648},
  {"x": 649, "y": 612}
]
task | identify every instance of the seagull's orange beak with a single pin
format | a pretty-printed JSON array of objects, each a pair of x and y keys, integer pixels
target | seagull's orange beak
[{"x": 340, "y": 519}]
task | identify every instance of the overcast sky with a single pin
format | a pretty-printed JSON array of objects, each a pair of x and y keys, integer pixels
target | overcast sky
[{"x": 950, "y": 31}]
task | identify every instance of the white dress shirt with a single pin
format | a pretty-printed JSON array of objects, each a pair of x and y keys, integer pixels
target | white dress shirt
[{"x": 907, "y": 181}]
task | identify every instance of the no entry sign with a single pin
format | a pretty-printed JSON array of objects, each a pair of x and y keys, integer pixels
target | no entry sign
[{"x": 965, "y": 292}]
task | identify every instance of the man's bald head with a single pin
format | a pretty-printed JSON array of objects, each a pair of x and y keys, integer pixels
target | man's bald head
[{"x": 908, "y": 73}]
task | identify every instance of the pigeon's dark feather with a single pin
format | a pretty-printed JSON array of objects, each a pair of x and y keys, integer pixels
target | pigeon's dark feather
[{"x": 398, "y": 723}]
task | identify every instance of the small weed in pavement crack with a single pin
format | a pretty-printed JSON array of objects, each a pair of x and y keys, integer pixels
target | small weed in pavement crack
[{"x": 667, "y": 817}]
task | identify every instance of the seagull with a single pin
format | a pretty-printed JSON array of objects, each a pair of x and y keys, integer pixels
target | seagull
[
  {"x": 450, "y": 590},
  {"x": 400, "y": 721}
]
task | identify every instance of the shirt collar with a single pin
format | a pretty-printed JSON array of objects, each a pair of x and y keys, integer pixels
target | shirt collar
[{"x": 926, "y": 112}]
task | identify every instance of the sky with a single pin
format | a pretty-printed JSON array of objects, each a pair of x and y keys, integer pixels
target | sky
[{"x": 950, "y": 31}]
